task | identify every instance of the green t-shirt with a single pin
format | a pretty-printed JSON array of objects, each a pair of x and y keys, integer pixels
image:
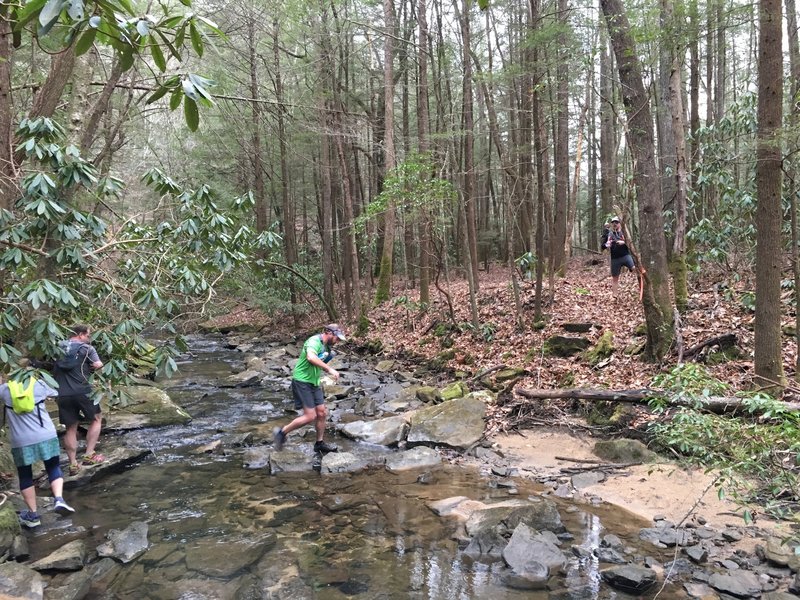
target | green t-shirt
[{"x": 304, "y": 370}]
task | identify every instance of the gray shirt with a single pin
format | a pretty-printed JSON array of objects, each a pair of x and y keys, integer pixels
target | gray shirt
[
  {"x": 27, "y": 429},
  {"x": 75, "y": 382}
]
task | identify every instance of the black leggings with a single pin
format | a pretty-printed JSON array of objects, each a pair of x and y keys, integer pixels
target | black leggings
[{"x": 26, "y": 473}]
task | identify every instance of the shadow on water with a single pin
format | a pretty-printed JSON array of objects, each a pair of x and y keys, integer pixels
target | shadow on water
[{"x": 218, "y": 530}]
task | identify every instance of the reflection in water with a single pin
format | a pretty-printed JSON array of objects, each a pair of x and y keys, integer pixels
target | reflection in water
[{"x": 220, "y": 531}]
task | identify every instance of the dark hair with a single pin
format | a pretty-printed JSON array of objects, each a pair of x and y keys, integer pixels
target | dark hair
[{"x": 80, "y": 329}]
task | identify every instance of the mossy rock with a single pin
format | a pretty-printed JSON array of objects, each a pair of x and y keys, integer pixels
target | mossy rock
[
  {"x": 641, "y": 329},
  {"x": 428, "y": 394},
  {"x": 446, "y": 342},
  {"x": 9, "y": 525},
  {"x": 509, "y": 374},
  {"x": 453, "y": 391},
  {"x": 567, "y": 380},
  {"x": 723, "y": 356},
  {"x": 634, "y": 349},
  {"x": 443, "y": 329},
  {"x": 564, "y": 346},
  {"x": 468, "y": 359},
  {"x": 440, "y": 362},
  {"x": 601, "y": 350},
  {"x": 789, "y": 330},
  {"x": 625, "y": 451},
  {"x": 539, "y": 325}
]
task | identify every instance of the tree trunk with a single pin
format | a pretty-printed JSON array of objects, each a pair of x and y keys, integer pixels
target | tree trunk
[
  {"x": 608, "y": 141},
  {"x": 9, "y": 189},
  {"x": 289, "y": 234},
  {"x": 561, "y": 151},
  {"x": 422, "y": 134},
  {"x": 256, "y": 158},
  {"x": 794, "y": 69},
  {"x": 657, "y": 306},
  {"x": 769, "y": 177},
  {"x": 385, "y": 277}
]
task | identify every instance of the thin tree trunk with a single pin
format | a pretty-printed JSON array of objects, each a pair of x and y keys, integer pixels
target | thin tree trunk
[
  {"x": 8, "y": 171},
  {"x": 794, "y": 69},
  {"x": 256, "y": 158},
  {"x": 422, "y": 133},
  {"x": 561, "y": 153},
  {"x": 768, "y": 362},
  {"x": 608, "y": 143},
  {"x": 657, "y": 305}
]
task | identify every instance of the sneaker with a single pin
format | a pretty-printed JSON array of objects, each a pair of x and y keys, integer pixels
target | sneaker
[
  {"x": 325, "y": 447},
  {"x": 29, "y": 519},
  {"x": 62, "y": 507},
  {"x": 278, "y": 439}
]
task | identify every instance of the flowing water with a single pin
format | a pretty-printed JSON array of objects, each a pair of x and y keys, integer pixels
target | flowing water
[{"x": 218, "y": 530}]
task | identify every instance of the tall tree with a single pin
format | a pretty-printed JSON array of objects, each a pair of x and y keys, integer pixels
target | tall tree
[
  {"x": 608, "y": 140},
  {"x": 423, "y": 145},
  {"x": 769, "y": 179},
  {"x": 561, "y": 151},
  {"x": 389, "y": 161},
  {"x": 657, "y": 305}
]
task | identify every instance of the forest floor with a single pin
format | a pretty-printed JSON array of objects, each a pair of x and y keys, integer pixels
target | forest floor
[{"x": 545, "y": 433}]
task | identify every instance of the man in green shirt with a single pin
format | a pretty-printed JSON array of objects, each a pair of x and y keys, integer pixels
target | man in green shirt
[{"x": 308, "y": 397}]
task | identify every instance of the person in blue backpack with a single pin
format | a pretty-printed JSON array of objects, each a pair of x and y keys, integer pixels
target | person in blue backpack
[
  {"x": 72, "y": 372},
  {"x": 33, "y": 437}
]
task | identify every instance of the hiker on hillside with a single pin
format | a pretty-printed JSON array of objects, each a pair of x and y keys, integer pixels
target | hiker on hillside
[
  {"x": 33, "y": 438},
  {"x": 614, "y": 240},
  {"x": 317, "y": 352},
  {"x": 72, "y": 372}
]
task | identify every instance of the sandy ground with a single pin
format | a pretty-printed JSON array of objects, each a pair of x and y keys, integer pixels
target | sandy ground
[{"x": 647, "y": 490}]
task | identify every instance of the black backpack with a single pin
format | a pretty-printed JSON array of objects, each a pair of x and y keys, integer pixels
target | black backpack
[{"x": 71, "y": 360}]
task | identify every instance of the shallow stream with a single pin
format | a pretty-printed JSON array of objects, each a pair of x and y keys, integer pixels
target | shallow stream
[{"x": 218, "y": 530}]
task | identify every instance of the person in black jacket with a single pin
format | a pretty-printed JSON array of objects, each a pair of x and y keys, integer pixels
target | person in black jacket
[{"x": 614, "y": 240}]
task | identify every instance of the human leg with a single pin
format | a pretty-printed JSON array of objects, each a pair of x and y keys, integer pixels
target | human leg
[
  {"x": 321, "y": 418},
  {"x": 26, "y": 489},
  {"x": 93, "y": 434},
  {"x": 57, "y": 486},
  {"x": 71, "y": 444}
]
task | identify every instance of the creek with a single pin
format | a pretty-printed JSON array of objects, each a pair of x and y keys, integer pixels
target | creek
[{"x": 218, "y": 530}]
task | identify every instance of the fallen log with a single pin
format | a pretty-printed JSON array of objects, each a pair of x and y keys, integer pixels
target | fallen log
[
  {"x": 716, "y": 404},
  {"x": 724, "y": 341}
]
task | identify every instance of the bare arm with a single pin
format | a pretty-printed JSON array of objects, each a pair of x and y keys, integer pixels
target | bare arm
[{"x": 315, "y": 360}]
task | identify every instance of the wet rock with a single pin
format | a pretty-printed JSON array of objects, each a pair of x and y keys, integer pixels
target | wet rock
[
  {"x": 69, "y": 557},
  {"x": 629, "y": 578},
  {"x": 533, "y": 578},
  {"x": 127, "y": 544},
  {"x": 611, "y": 541},
  {"x": 248, "y": 378},
  {"x": 20, "y": 581},
  {"x": 254, "y": 363},
  {"x": 794, "y": 586},
  {"x": 147, "y": 406},
  {"x": 339, "y": 392},
  {"x": 290, "y": 461},
  {"x": 204, "y": 555},
  {"x": 577, "y": 327},
  {"x": 457, "y": 423},
  {"x": 527, "y": 550},
  {"x": 581, "y": 552},
  {"x": 698, "y": 590},
  {"x": 69, "y": 587},
  {"x": 256, "y": 458},
  {"x": 237, "y": 440},
  {"x": 343, "y": 462},
  {"x": 666, "y": 537},
  {"x": 416, "y": 458},
  {"x": 117, "y": 460},
  {"x": 211, "y": 447},
  {"x": 741, "y": 584},
  {"x": 277, "y": 355},
  {"x": 538, "y": 513},
  {"x": 779, "y": 553},
  {"x": 610, "y": 555},
  {"x": 385, "y": 432}
]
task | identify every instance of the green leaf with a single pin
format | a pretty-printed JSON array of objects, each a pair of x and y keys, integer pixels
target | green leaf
[
  {"x": 126, "y": 58},
  {"x": 158, "y": 56},
  {"x": 186, "y": 2},
  {"x": 158, "y": 94},
  {"x": 190, "y": 114},
  {"x": 197, "y": 40},
  {"x": 85, "y": 41},
  {"x": 748, "y": 517},
  {"x": 169, "y": 45},
  {"x": 483, "y": 4},
  {"x": 175, "y": 99}
]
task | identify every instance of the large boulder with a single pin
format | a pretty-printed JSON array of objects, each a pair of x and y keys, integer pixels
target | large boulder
[
  {"x": 538, "y": 513},
  {"x": 564, "y": 346},
  {"x": 384, "y": 432},
  {"x": 527, "y": 546},
  {"x": 69, "y": 557},
  {"x": 223, "y": 558},
  {"x": 456, "y": 423},
  {"x": 146, "y": 406},
  {"x": 416, "y": 458},
  {"x": 127, "y": 544},
  {"x": 20, "y": 581},
  {"x": 629, "y": 578}
]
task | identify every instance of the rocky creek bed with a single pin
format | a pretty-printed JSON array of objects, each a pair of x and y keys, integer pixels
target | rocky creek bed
[{"x": 194, "y": 502}]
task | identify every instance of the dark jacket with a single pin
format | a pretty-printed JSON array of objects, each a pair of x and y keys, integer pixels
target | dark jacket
[{"x": 617, "y": 250}]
